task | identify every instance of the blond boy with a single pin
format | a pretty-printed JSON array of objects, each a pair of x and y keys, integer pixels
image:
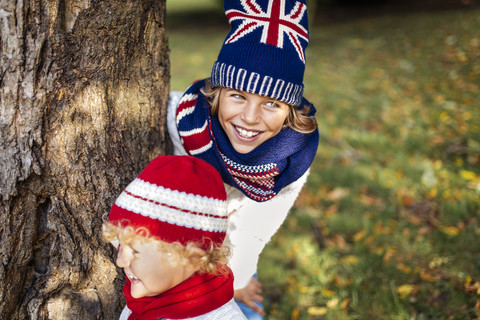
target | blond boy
[{"x": 169, "y": 225}]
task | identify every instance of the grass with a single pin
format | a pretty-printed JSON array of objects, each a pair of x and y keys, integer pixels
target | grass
[{"x": 387, "y": 226}]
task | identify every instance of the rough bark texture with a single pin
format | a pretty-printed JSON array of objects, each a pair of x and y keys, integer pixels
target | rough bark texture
[{"x": 83, "y": 91}]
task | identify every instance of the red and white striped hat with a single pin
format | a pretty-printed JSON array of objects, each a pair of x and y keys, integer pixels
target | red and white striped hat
[{"x": 178, "y": 199}]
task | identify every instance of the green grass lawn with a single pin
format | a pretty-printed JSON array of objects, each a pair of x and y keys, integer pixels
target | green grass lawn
[{"x": 387, "y": 226}]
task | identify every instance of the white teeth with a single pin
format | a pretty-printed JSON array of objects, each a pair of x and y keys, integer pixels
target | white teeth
[{"x": 245, "y": 133}]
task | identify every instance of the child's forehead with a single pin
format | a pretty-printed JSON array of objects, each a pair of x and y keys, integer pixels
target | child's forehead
[
  {"x": 144, "y": 243},
  {"x": 130, "y": 236},
  {"x": 226, "y": 89}
]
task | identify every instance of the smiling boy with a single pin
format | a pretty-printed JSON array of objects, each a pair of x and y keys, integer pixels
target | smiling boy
[{"x": 250, "y": 120}]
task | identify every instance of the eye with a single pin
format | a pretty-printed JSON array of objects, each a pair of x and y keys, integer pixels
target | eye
[
  {"x": 236, "y": 95},
  {"x": 272, "y": 104},
  {"x": 135, "y": 248}
]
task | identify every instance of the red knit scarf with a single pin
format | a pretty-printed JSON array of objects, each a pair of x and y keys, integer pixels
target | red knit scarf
[{"x": 199, "y": 294}]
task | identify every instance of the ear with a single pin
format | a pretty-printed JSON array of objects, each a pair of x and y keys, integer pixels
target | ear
[
  {"x": 198, "y": 252},
  {"x": 195, "y": 256}
]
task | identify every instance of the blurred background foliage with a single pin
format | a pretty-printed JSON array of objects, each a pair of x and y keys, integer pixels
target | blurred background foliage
[{"x": 387, "y": 226}]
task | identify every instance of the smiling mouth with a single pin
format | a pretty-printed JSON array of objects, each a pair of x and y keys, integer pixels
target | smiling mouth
[
  {"x": 245, "y": 133},
  {"x": 131, "y": 277}
]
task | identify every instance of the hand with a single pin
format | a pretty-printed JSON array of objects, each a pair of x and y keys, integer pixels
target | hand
[{"x": 250, "y": 294}]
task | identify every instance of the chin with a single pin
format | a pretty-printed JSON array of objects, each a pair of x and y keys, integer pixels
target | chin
[
  {"x": 138, "y": 294},
  {"x": 244, "y": 150}
]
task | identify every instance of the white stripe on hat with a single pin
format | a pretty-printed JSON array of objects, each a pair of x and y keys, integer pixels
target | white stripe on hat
[
  {"x": 277, "y": 90},
  {"x": 286, "y": 93},
  {"x": 241, "y": 74},
  {"x": 264, "y": 91},
  {"x": 163, "y": 213},
  {"x": 230, "y": 76},
  {"x": 221, "y": 72},
  {"x": 157, "y": 202},
  {"x": 252, "y": 82},
  {"x": 177, "y": 199}
]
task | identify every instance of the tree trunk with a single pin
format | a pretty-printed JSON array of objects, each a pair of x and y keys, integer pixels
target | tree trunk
[{"x": 83, "y": 92}]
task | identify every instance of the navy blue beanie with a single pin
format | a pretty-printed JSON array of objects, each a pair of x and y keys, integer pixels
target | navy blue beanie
[{"x": 264, "y": 53}]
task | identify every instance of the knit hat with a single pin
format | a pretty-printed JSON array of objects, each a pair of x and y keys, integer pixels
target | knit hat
[
  {"x": 178, "y": 199},
  {"x": 264, "y": 53}
]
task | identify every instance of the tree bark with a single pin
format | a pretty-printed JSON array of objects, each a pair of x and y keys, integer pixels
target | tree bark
[{"x": 83, "y": 92}]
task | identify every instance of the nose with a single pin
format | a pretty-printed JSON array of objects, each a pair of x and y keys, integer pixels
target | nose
[
  {"x": 251, "y": 113},
  {"x": 123, "y": 257}
]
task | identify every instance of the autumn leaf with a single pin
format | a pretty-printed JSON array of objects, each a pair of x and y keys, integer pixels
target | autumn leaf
[
  {"x": 327, "y": 293},
  {"x": 295, "y": 314},
  {"x": 332, "y": 303},
  {"x": 468, "y": 175},
  {"x": 404, "y": 268},
  {"x": 337, "y": 194},
  {"x": 426, "y": 276},
  {"x": 389, "y": 253},
  {"x": 351, "y": 260},
  {"x": 345, "y": 304},
  {"x": 359, "y": 235},
  {"x": 450, "y": 230},
  {"x": 317, "y": 311},
  {"x": 405, "y": 290}
]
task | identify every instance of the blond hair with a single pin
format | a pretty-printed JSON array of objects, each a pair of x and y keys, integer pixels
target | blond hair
[
  {"x": 297, "y": 119},
  {"x": 212, "y": 260}
]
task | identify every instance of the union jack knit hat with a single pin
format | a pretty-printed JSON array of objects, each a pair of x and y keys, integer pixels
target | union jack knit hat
[
  {"x": 177, "y": 199},
  {"x": 264, "y": 53}
]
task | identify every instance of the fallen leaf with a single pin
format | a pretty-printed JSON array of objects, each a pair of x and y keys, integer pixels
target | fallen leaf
[
  {"x": 351, "y": 259},
  {"x": 450, "y": 230},
  {"x": 332, "y": 303},
  {"x": 468, "y": 175},
  {"x": 405, "y": 289},
  {"x": 317, "y": 311}
]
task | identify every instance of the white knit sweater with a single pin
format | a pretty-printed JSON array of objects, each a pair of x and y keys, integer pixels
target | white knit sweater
[
  {"x": 251, "y": 224},
  {"x": 229, "y": 311}
]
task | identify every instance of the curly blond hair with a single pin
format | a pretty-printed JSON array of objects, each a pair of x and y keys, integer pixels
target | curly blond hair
[
  {"x": 297, "y": 119},
  {"x": 212, "y": 260}
]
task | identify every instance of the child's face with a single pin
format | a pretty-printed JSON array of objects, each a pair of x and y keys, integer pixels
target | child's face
[
  {"x": 249, "y": 119},
  {"x": 149, "y": 270}
]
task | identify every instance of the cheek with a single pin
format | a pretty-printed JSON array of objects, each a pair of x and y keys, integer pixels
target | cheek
[
  {"x": 225, "y": 114},
  {"x": 276, "y": 121},
  {"x": 225, "y": 111}
]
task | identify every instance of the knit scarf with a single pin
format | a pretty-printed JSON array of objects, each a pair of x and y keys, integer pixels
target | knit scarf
[
  {"x": 259, "y": 174},
  {"x": 199, "y": 294}
]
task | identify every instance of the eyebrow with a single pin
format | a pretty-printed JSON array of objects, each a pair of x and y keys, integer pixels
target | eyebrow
[{"x": 229, "y": 89}]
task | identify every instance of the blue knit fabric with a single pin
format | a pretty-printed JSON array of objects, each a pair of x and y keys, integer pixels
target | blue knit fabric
[
  {"x": 264, "y": 53},
  {"x": 259, "y": 174}
]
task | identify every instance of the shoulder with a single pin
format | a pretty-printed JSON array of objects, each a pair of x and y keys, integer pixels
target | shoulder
[
  {"x": 173, "y": 99},
  {"x": 229, "y": 311},
  {"x": 125, "y": 314}
]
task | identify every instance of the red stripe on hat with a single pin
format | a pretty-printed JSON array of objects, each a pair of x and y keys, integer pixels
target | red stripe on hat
[
  {"x": 198, "y": 213},
  {"x": 163, "y": 230}
]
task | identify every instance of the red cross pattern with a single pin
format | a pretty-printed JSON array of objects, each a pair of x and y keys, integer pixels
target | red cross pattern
[{"x": 275, "y": 23}]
